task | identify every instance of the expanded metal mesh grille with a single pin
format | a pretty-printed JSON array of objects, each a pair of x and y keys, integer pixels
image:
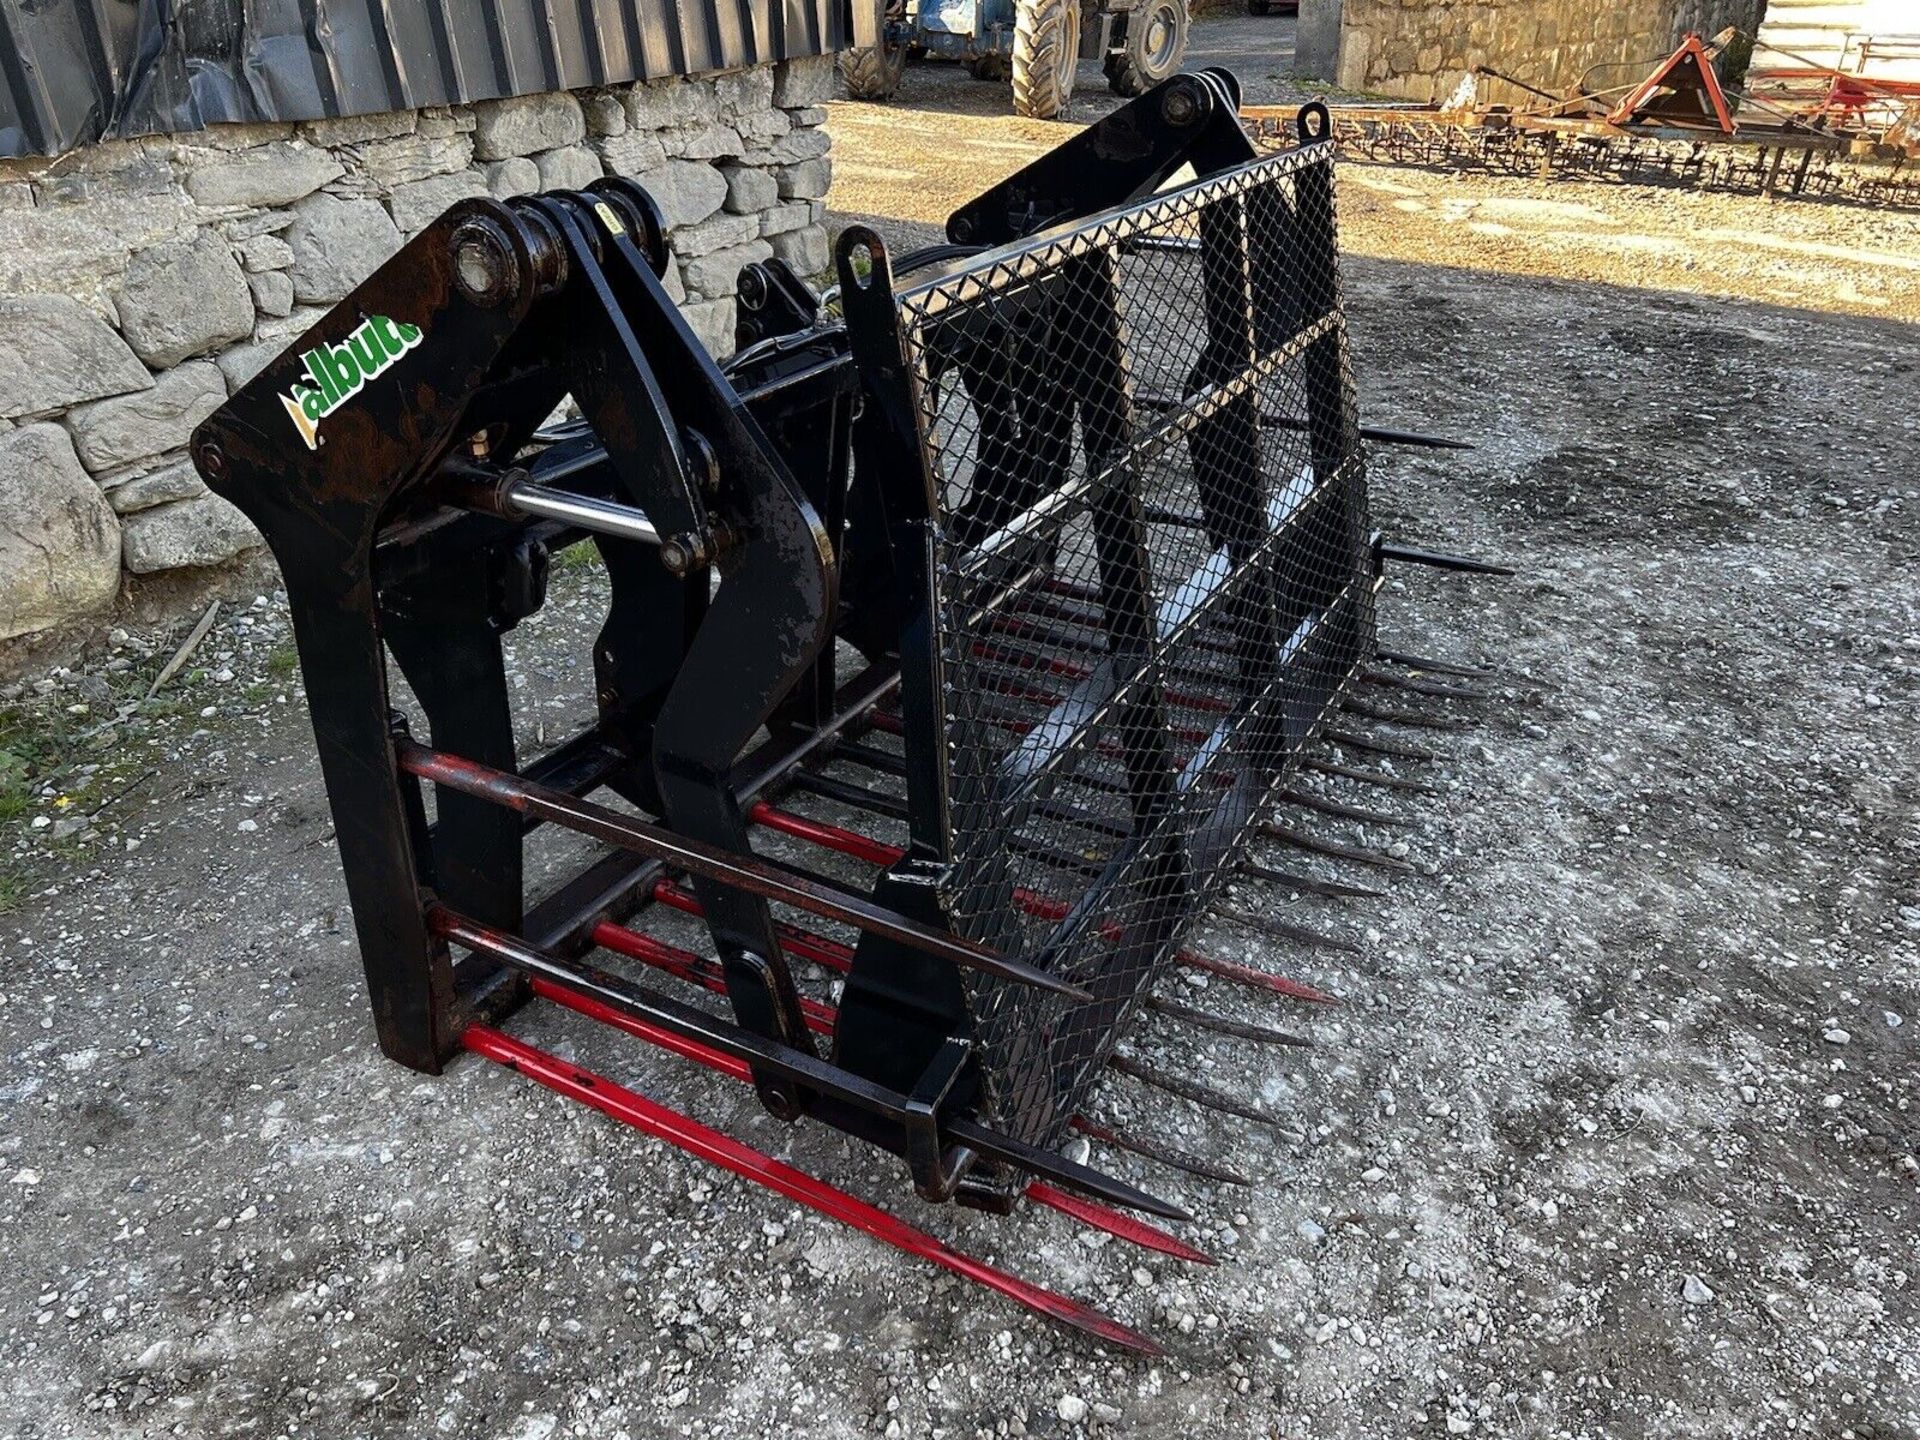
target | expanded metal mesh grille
[{"x": 1153, "y": 574}]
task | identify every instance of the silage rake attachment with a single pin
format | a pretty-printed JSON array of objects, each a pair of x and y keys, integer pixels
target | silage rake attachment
[{"x": 1046, "y": 554}]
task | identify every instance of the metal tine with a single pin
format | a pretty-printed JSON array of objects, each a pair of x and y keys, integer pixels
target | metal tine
[
  {"x": 1359, "y": 854},
  {"x": 1283, "y": 930},
  {"x": 879, "y": 852},
  {"x": 1441, "y": 560},
  {"x": 1326, "y": 805},
  {"x": 1205, "y": 1096},
  {"x": 1251, "y": 978},
  {"x": 1012, "y": 656},
  {"x": 1398, "y": 749},
  {"x": 1418, "y": 686},
  {"x": 827, "y": 787},
  {"x": 747, "y": 872},
  {"x": 691, "y": 1026},
  {"x": 871, "y": 757},
  {"x": 695, "y": 969},
  {"x": 801, "y": 944},
  {"x": 1438, "y": 667},
  {"x": 1122, "y": 1227},
  {"x": 1158, "y": 1153},
  {"x": 1089, "y": 1212},
  {"x": 685, "y": 1133},
  {"x": 1367, "y": 711},
  {"x": 1307, "y": 884},
  {"x": 1223, "y": 1024},
  {"x": 1008, "y": 653},
  {"x": 1370, "y": 777}
]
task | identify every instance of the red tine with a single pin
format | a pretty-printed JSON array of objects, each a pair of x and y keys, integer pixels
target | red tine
[
  {"x": 689, "y": 966},
  {"x": 688, "y": 1134},
  {"x": 642, "y": 1030},
  {"x": 830, "y": 837},
  {"x": 878, "y": 852},
  {"x": 1089, "y": 1212},
  {"x": 1257, "y": 979},
  {"x": 804, "y": 943},
  {"x": 1124, "y": 1227},
  {"x": 1052, "y": 665}
]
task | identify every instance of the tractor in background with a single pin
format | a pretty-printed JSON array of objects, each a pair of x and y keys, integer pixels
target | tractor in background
[{"x": 1036, "y": 42}]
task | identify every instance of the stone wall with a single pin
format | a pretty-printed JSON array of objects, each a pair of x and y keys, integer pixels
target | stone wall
[
  {"x": 1423, "y": 48},
  {"x": 143, "y": 281}
]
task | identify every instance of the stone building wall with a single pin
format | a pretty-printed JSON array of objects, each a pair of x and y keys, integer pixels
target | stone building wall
[
  {"x": 143, "y": 281},
  {"x": 1422, "y": 48}
]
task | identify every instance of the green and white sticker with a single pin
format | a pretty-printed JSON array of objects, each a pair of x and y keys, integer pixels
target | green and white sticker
[{"x": 337, "y": 373}]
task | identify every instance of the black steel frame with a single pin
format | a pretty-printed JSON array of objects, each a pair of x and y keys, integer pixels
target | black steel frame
[{"x": 413, "y": 528}]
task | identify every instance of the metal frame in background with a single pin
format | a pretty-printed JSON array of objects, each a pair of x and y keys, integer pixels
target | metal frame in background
[{"x": 1671, "y": 127}]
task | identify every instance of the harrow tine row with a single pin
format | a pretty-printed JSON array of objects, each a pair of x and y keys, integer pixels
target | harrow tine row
[
  {"x": 651, "y": 1118},
  {"x": 1753, "y": 159}
]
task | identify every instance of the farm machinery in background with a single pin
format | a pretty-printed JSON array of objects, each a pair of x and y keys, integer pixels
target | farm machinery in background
[
  {"x": 1038, "y": 43},
  {"x": 1733, "y": 114}
]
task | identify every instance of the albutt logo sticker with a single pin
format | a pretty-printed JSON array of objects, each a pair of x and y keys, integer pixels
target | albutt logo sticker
[{"x": 337, "y": 373}]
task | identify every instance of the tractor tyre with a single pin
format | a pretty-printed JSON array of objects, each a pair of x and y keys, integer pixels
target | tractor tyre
[
  {"x": 991, "y": 66},
  {"x": 873, "y": 73},
  {"x": 1155, "y": 44},
  {"x": 1259, "y": 7},
  {"x": 1046, "y": 49}
]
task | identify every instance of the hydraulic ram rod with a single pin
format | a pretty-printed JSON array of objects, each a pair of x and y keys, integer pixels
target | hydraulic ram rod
[{"x": 585, "y": 512}]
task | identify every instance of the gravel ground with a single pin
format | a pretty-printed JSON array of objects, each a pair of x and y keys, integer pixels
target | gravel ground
[{"x": 1612, "y": 1135}]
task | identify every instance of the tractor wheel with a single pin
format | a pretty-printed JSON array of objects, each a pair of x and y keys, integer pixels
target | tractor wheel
[
  {"x": 1155, "y": 44},
  {"x": 991, "y": 66},
  {"x": 1046, "y": 48},
  {"x": 873, "y": 73},
  {"x": 1259, "y": 7}
]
